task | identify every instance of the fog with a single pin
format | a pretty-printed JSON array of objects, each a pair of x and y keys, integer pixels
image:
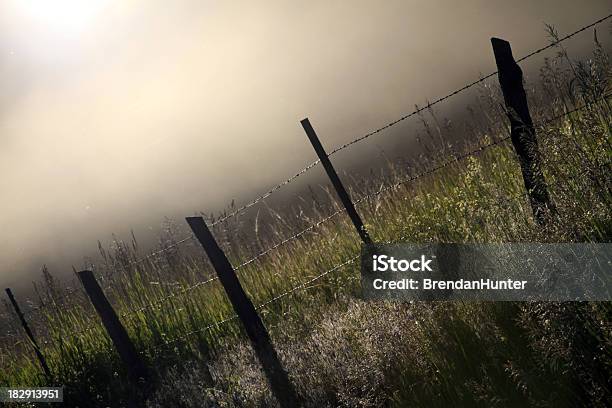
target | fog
[{"x": 114, "y": 114}]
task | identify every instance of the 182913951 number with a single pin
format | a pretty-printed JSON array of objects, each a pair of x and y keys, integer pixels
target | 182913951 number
[{"x": 31, "y": 394}]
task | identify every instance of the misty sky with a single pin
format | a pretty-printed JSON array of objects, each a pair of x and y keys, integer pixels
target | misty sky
[{"x": 114, "y": 113}]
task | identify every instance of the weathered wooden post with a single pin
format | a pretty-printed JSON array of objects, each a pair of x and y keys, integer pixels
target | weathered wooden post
[
  {"x": 114, "y": 328},
  {"x": 337, "y": 183},
  {"x": 26, "y": 328},
  {"x": 260, "y": 339},
  {"x": 522, "y": 131}
]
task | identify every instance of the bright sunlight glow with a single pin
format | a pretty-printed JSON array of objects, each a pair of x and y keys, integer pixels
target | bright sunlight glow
[{"x": 65, "y": 16}]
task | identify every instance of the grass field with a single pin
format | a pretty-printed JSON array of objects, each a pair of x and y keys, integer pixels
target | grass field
[{"x": 338, "y": 349}]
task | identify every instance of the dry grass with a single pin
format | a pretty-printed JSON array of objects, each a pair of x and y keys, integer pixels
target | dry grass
[{"x": 339, "y": 350}]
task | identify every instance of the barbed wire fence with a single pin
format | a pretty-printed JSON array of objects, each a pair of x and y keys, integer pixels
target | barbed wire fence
[
  {"x": 328, "y": 218},
  {"x": 359, "y": 139},
  {"x": 453, "y": 160},
  {"x": 344, "y": 146},
  {"x": 508, "y": 199}
]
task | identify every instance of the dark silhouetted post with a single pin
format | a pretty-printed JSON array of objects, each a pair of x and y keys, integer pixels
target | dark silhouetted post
[
  {"x": 26, "y": 328},
  {"x": 522, "y": 131},
  {"x": 114, "y": 328},
  {"x": 276, "y": 374},
  {"x": 337, "y": 183}
]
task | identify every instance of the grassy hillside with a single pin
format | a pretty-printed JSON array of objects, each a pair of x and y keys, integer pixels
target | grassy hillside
[{"x": 338, "y": 349}]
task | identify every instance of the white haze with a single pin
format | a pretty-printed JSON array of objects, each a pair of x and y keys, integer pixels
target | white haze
[{"x": 140, "y": 109}]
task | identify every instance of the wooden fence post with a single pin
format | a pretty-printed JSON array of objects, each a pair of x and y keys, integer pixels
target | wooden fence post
[
  {"x": 260, "y": 339},
  {"x": 337, "y": 183},
  {"x": 114, "y": 328},
  {"x": 522, "y": 131},
  {"x": 26, "y": 328}
]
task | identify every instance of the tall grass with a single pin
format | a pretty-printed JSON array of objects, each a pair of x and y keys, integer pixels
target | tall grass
[{"x": 339, "y": 350}]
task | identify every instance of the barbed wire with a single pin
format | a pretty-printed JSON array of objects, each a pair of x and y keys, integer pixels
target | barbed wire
[
  {"x": 576, "y": 109},
  {"x": 271, "y": 300},
  {"x": 566, "y": 37},
  {"x": 37, "y": 308},
  {"x": 458, "y": 158},
  {"x": 278, "y": 186},
  {"x": 470, "y": 85},
  {"x": 64, "y": 297},
  {"x": 161, "y": 251},
  {"x": 309, "y": 166},
  {"x": 168, "y": 297},
  {"x": 233, "y": 317},
  {"x": 411, "y": 114},
  {"x": 453, "y": 160},
  {"x": 305, "y": 284},
  {"x": 60, "y": 301},
  {"x": 262, "y": 305},
  {"x": 236, "y": 268},
  {"x": 311, "y": 227},
  {"x": 522, "y": 193}
]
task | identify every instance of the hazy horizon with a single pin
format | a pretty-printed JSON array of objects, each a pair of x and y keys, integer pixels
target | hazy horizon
[{"x": 116, "y": 113}]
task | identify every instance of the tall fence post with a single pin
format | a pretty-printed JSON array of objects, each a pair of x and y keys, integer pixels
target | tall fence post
[
  {"x": 277, "y": 376},
  {"x": 337, "y": 183},
  {"x": 26, "y": 328},
  {"x": 522, "y": 131},
  {"x": 114, "y": 328}
]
